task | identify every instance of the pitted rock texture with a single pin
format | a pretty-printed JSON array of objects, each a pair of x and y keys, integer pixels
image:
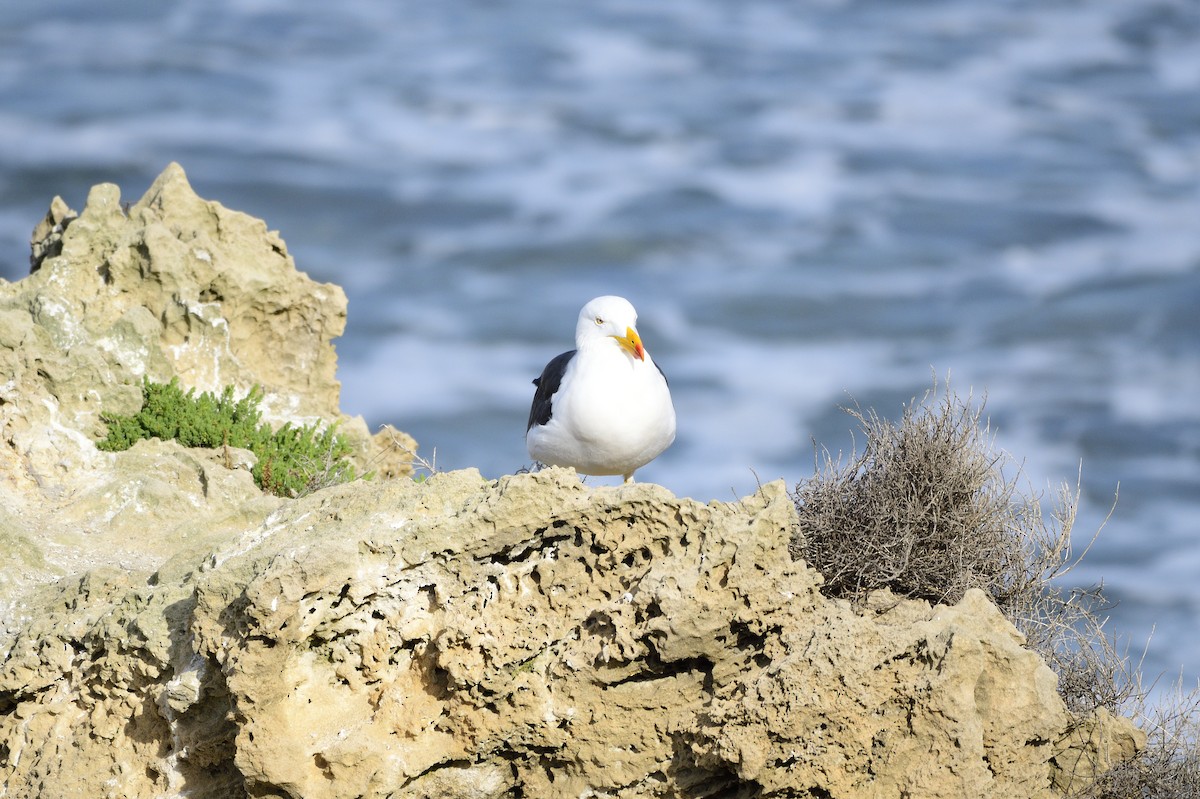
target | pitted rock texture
[
  {"x": 167, "y": 630},
  {"x": 174, "y": 285},
  {"x": 523, "y": 637}
]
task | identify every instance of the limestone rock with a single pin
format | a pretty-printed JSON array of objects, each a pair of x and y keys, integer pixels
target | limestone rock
[
  {"x": 167, "y": 630},
  {"x": 175, "y": 285},
  {"x": 172, "y": 286},
  {"x": 527, "y": 636}
]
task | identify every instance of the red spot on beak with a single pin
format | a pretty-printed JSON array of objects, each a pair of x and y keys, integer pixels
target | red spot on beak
[{"x": 632, "y": 343}]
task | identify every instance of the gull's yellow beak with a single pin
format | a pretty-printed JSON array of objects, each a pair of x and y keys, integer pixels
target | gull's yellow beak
[{"x": 632, "y": 343}]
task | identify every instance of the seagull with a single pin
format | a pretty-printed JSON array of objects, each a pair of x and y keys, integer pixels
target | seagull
[{"x": 604, "y": 407}]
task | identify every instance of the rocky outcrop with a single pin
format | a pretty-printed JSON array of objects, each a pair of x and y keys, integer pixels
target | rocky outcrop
[
  {"x": 527, "y": 636},
  {"x": 462, "y": 637},
  {"x": 172, "y": 286}
]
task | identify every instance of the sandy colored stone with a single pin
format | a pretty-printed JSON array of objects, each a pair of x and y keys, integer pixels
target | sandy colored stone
[
  {"x": 172, "y": 286},
  {"x": 176, "y": 286},
  {"x": 167, "y": 630},
  {"x": 464, "y": 637}
]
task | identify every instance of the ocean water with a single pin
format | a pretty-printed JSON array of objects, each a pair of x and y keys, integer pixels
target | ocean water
[{"x": 812, "y": 205}]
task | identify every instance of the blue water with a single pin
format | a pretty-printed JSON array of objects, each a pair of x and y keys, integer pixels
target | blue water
[{"x": 811, "y": 205}]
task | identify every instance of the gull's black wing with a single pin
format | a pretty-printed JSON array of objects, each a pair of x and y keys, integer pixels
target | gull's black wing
[{"x": 547, "y": 385}]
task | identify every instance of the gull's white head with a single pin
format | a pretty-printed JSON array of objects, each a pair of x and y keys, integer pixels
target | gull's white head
[{"x": 611, "y": 317}]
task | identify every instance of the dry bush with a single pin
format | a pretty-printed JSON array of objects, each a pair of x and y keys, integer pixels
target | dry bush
[
  {"x": 927, "y": 511},
  {"x": 1169, "y": 766},
  {"x": 924, "y": 510},
  {"x": 1065, "y": 626}
]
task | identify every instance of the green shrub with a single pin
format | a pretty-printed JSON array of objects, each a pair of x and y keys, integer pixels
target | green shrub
[{"x": 292, "y": 461}]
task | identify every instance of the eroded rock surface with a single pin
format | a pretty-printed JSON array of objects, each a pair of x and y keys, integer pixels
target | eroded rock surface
[
  {"x": 167, "y": 630},
  {"x": 523, "y": 637},
  {"x": 175, "y": 285},
  {"x": 172, "y": 286}
]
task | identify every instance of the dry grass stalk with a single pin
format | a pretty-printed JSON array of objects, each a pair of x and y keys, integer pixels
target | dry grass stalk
[{"x": 1169, "y": 766}]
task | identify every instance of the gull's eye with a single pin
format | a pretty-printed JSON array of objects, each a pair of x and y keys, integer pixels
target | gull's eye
[{"x": 599, "y": 321}]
